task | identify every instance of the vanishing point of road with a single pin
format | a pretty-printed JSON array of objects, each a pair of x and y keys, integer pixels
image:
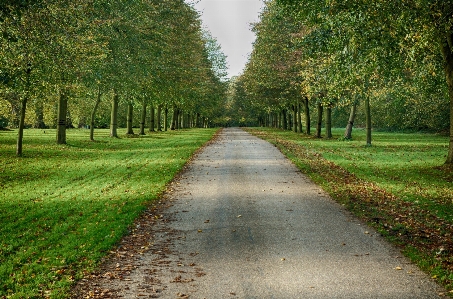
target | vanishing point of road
[{"x": 244, "y": 222}]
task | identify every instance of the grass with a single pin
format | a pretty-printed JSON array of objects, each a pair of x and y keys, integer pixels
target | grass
[
  {"x": 399, "y": 185},
  {"x": 62, "y": 207}
]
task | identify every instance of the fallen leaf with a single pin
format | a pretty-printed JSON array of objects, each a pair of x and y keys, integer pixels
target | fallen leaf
[{"x": 398, "y": 268}]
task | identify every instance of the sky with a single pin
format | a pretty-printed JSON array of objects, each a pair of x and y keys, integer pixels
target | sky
[{"x": 229, "y": 22}]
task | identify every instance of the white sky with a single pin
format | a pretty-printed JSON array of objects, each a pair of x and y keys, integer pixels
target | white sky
[{"x": 229, "y": 22}]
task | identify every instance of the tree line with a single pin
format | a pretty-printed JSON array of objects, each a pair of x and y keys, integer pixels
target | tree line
[
  {"x": 322, "y": 63},
  {"x": 61, "y": 59}
]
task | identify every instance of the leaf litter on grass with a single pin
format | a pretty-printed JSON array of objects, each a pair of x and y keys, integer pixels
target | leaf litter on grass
[{"x": 414, "y": 225}]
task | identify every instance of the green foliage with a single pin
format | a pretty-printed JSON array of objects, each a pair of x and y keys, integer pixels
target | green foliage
[
  {"x": 63, "y": 207},
  {"x": 338, "y": 52},
  {"x": 152, "y": 50}
]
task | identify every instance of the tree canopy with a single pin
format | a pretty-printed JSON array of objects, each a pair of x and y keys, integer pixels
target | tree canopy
[
  {"x": 393, "y": 57},
  {"x": 66, "y": 51}
]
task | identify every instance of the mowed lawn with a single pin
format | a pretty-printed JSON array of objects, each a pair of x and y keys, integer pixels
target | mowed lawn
[
  {"x": 62, "y": 207},
  {"x": 399, "y": 185}
]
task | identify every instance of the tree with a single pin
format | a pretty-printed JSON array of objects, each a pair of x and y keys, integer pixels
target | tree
[{"x": 387, "y": 39}]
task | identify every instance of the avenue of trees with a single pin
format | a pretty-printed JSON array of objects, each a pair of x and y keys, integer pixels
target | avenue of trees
[
  {"x": 322, "y": 63},
  {"x": 97, "y": 63}
]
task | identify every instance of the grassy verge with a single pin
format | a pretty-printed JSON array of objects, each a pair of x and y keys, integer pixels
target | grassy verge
[
  {"x": 63, "y": 207},
  {"x": 398, "y": 185}
]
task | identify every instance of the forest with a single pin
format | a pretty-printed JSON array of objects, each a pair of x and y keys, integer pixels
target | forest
[
  {"x": 92, "y": 63},
  {"x": 373, "y": 64},
  {"x": 315, "y": 64}
]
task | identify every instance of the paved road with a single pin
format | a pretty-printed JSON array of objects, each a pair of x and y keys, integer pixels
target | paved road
[{"x": 245, "y": 223}]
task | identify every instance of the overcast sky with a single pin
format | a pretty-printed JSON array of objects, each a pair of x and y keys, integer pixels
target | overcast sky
[{"x": 229, "y": 22}]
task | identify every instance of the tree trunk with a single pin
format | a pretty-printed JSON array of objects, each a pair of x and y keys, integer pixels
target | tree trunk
[
  {"x": 130, "y": 109},
  {"x": 319, "y": 123},
  {"x": 299, "y": 116},
  {"x": 114, "y": 116},
  {"x": 152, "y": 123},
  {"x": 368, "y": 120},
  {"x": 39, "y": 113},
  {"x": 61, "y": 118},
  {"x": 174, "y": 119},
  {"x": 181, "y": 119},
  {"x": 166, "y": 119},
  {"x": 307, "y": 116},
  {"x": 23, "y": 110},
  {"x": 348, "y": 131},
  {"x": 159, "y": 118},
  {"x": 93, "y": 114},
  {"x": 329, "y": 121},
  {"x": 284, "y": 120},
  {"x": 446, "y": 44},
  {"x": 295, "y": 117},
  {"x": 143, "y": 118},
  {"x": 20, "y": 136}
]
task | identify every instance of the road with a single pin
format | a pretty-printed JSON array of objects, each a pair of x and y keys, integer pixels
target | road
[{"x": 243, "y": 222}]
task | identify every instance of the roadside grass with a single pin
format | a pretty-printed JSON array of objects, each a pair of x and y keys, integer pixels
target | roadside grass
[
  {"x": 63, "y": 207},
  {"x": 399, "y": 185}
]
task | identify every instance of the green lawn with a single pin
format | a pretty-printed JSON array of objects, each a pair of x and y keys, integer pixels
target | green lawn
[
  {"x": 399, "y": 185},
  {"x": 62, "y": 207}
]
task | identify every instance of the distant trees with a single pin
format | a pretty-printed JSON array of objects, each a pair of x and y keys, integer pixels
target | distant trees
[
  {"x": 388, "y": 59},
  {"x": 65, "y": 58}
]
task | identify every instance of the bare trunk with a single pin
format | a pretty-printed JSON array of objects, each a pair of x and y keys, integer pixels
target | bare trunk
[
  {"x": 23, "y": 109},
  {"x": 143, "y": 118},
  {"x": 285, "y": 120},
  {"x": 166, "y": 119},
  {"x": 152, "y": 123},
  {"x": 130, "y": 109},
  {"x": 174, "y": 119},
  {"x": 62, "y": 115},
  {"x": 93, "y": 114},
  {"x": 295, "y": 117},
  {"x": 319, "y": 124},
  {"x": 446, "y": 47},
  {"x": 180, "y": 119},
  {"x": 368, "y": 120},
  {"x": 39, "y": 113},
  {"x": 299, "y": 116},
  {"x": 307, "y": 116},
  {"x": 329, "y": 121},
  {"x": 159, "y": 118},
  {"x": 348, "y": 131},
  {"x": 114, "y": 116},
  {"x": 20, "y": 136}
]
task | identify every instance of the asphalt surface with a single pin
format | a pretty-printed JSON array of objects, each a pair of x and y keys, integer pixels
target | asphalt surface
[{"x": 244, "y": 222}]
